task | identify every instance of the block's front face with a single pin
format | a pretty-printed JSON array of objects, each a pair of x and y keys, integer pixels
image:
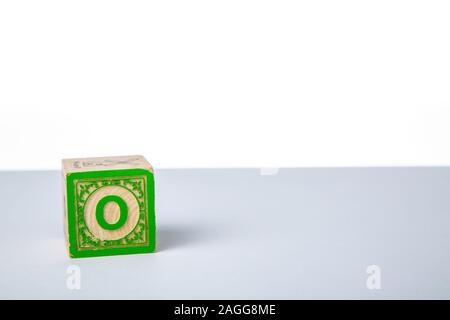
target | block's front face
[{"x": 110, "y": 212}]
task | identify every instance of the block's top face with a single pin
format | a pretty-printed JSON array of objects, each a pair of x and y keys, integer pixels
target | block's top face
[{"x": 105, "y": 163}]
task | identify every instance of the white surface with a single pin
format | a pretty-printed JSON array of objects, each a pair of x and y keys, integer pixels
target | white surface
[
  {"x": 301, "y": 233},
  {"x": 225, "y": 83}
]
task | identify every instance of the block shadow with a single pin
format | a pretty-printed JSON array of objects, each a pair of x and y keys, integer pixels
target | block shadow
[{"x": 174, "y": 237}]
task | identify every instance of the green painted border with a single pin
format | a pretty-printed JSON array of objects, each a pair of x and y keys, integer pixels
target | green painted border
[{"x": 71, "y": 219}]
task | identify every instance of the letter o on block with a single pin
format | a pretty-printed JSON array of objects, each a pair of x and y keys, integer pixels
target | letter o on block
[
  {"x": 111, "y": 212},
  {"x": 100, "y": 213}
]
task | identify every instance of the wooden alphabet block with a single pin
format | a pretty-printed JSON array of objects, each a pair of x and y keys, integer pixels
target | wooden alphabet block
[{"x": 109, "y": 206}]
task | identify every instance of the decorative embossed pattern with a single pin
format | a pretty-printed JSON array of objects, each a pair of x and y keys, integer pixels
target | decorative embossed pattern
[{"x": 86, "y": 240}]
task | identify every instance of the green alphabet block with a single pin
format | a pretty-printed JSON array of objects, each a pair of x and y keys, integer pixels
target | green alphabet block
[{"x": 109, "y": 206}]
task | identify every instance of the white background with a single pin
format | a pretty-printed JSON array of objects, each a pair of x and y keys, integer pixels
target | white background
[{"x": 225, "y": 83}]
